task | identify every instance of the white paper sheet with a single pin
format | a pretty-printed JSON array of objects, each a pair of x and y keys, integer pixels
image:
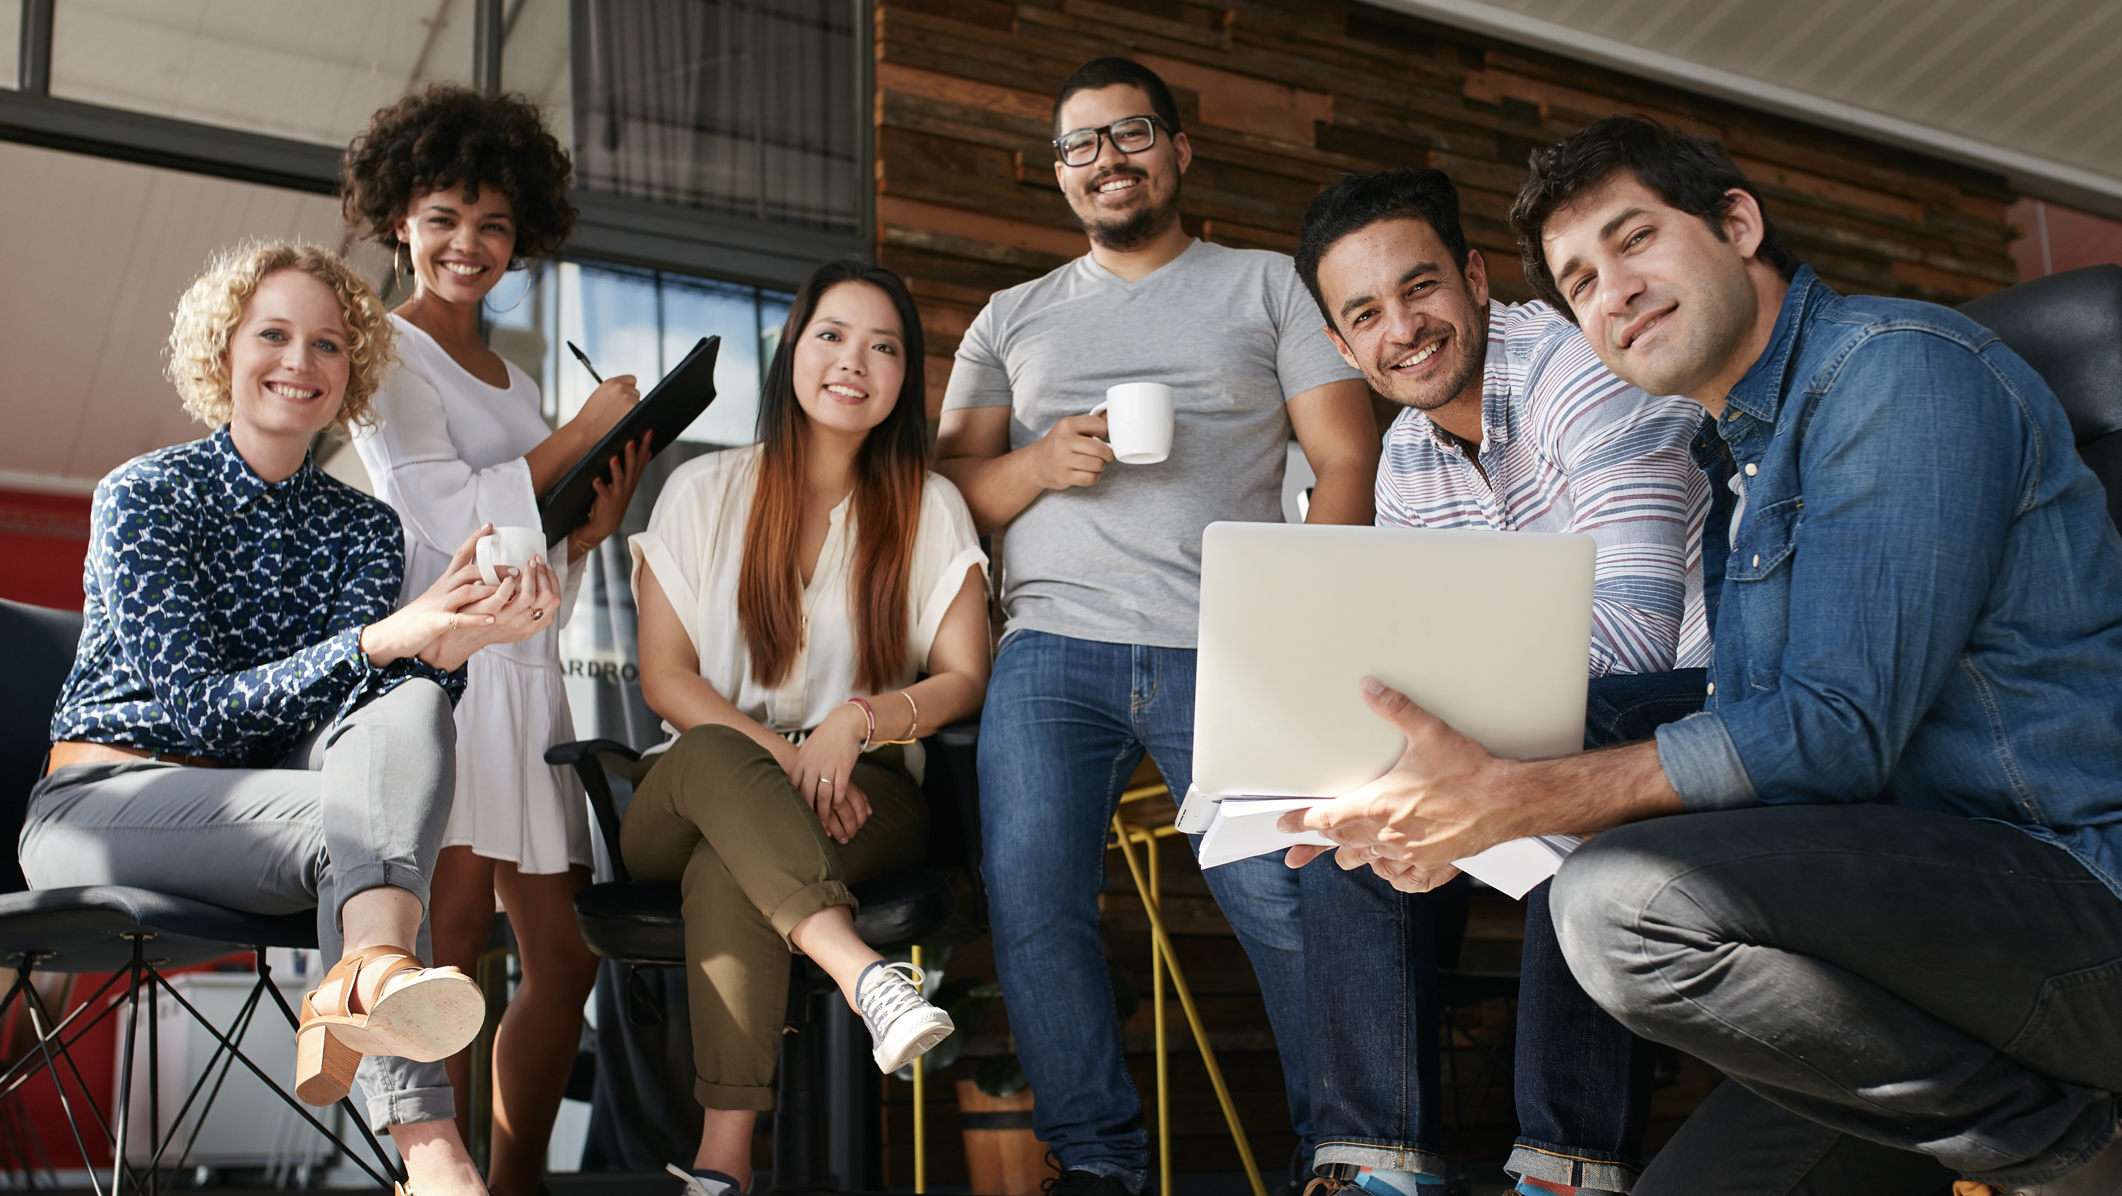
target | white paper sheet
[{"x": 1244, "y": 827}]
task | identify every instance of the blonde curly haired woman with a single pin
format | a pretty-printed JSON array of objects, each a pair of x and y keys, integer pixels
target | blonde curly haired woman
[{"x": 247, "y": 722}]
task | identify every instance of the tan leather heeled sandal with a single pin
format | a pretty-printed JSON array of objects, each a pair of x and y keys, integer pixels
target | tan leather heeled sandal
[{"x": 428, "y": 1015}]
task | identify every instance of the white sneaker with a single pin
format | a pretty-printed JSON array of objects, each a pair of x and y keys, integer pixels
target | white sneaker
[
  {"x": 902, "y": 1024},
  {"x": 714, "y": 1183}
]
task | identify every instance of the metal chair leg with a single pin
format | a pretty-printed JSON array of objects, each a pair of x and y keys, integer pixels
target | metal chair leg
[{"x": 1186, "y": 1002}]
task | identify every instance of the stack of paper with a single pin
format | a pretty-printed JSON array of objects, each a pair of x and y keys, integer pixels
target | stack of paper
[{"x": 1243, "y": 827}]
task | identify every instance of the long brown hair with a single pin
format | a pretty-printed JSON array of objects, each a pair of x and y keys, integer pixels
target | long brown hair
[{"x": 890, "y": 471}]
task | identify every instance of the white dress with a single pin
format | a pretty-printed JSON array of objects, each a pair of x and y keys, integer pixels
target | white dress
[
  {"x": 447, "y": 455},
  {"x": 695, "y": 546}
]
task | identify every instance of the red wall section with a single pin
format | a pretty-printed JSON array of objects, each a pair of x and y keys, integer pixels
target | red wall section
[
  {"x": 2052, "y": 239},
  {"x": 43, "y": 541}
]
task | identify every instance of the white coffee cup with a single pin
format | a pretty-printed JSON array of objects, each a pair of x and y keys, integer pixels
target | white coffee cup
[
  {"x": 508, "y": 547},
  {"x": 1138, "y": 421}
]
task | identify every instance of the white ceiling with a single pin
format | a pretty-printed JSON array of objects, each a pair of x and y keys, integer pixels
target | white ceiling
[
  {"x": 2030, "y": 89},
  {"x": 98, "y": 252}
]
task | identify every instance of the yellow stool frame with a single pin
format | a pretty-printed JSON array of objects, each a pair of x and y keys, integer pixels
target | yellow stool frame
[{"x": 1161, "y": 960}]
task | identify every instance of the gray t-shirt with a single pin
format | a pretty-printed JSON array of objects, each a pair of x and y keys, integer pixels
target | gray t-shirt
[{"x": 1234, "y": 334}]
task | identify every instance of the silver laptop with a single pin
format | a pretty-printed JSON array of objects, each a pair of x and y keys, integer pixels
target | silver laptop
[{"x": 1490, "y": 631}]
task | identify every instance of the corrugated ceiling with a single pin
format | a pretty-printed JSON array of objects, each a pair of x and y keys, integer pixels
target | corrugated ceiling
[{"x": 2031, "y": 89}]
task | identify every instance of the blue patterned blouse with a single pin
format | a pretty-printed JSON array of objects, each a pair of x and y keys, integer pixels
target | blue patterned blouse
[{"x": 224, "y": 613}]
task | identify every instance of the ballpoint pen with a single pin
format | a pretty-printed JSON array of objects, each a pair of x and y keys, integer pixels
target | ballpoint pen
[{"x": 584, "y": 359}]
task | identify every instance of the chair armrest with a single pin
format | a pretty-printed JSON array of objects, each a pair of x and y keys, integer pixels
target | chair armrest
[
  {"x": 583, "y": 757},
  {"x": 953, "y": 788},
  {"x": 567, "y": 755}
]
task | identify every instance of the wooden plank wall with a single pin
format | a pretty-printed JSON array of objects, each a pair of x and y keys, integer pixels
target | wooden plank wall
[{"x": 1281, "y": 97}]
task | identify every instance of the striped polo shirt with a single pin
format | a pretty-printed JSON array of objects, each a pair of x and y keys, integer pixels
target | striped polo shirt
[{"x": 1568, "y": 447}]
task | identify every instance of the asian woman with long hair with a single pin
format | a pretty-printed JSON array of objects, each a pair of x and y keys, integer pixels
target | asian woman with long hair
[{"x": 793, "y": 594}]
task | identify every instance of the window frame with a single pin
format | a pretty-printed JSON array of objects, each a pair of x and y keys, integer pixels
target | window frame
[{"x": 612, "y": 228}]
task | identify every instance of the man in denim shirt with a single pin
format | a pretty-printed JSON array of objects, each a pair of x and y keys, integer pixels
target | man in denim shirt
[{"x": 1893, "y": 912}]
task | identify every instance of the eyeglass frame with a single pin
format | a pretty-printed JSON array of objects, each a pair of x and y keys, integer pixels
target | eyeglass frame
[{"x": 1106, "y": 134}]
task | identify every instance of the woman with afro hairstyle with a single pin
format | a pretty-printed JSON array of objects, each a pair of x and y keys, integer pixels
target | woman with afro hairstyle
[{"x": 461, "y": 187}]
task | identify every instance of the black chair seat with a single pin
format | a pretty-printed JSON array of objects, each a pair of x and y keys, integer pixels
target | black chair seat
[
  {"x": 641, "y": 923},
  {"x": 633, "y": 923},
  {"x": 86, "y": 929}
]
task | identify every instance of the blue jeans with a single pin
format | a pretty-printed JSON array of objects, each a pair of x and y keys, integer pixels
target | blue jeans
[
  {"x": 1066, "y": 723},
  {"x": 1583, "y": 1082}
]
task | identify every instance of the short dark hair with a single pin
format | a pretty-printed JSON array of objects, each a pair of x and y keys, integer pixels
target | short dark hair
[
  {"x": 1101, "y": 73},
  {"x": 1692, "y": 174},
  {"x": 1361, "y": 200},
  {"x": 444, "y": 136}
]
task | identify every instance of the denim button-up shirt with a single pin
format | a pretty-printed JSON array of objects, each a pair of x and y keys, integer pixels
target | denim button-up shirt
[
  {"x": 224, "y": 612},
  {"x": 1923, "y": 601}
]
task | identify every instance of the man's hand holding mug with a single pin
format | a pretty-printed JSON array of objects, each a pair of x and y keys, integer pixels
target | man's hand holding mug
[{"x": 1133, "y": 426}]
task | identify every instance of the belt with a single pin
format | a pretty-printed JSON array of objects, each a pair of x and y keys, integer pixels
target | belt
[{"x": 76, "y": 751}]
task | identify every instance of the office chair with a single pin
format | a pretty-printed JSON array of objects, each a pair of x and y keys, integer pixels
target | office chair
[
  {"x": 818, "y": 1142},
  {"x": 133, "y": 934},
  {"x": 2068, "y": 327}
]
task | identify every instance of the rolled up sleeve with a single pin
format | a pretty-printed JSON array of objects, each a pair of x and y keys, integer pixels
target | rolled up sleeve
[{"x": 1703, "y": 765}]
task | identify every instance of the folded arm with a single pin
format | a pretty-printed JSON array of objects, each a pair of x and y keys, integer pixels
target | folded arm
[
  {"x": 1340, "y": 440},
  {"x": 1637, "y": 492}
]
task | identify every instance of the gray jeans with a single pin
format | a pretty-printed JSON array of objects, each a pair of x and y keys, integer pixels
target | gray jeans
[
  {"x": 356, "y": 806},
  {"x": 1927, "y": 982}
]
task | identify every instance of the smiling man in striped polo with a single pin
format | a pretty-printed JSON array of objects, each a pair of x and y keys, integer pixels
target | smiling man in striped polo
[{"x": 1511, "y": 424}]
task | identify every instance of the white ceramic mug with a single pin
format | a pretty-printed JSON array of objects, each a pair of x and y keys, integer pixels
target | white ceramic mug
[
  {"x": 1138, "y": 421},
  {"x": 510, "y": 547}
]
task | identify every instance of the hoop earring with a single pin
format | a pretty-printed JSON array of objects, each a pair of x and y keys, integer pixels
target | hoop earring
[
  {"x": 406, "y": 252},
  {"x": 528, "y": 283}
]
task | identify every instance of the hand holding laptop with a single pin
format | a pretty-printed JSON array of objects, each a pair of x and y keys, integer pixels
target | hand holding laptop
[
  {"x": 1434, "y": 808},
  {"x": 1428, "y": 810},
  {"x": 1308, "y": 687}
]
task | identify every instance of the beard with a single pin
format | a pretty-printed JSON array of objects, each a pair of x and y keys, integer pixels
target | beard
[
  {"x": 1134, "y": 229},
  {"x": 1429, "y": 396}
]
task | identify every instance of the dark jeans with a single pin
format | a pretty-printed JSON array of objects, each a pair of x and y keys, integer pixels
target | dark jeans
[
  {"x": 1583, "y": 1081},
  {"x": 1065, "y": 725},
  {"x": 1920, "y": 980},
  {"x": 1738, "y": 1144}
]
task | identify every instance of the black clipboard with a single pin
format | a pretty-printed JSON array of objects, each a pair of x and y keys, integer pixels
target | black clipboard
[{"x": 666, "y": 410}]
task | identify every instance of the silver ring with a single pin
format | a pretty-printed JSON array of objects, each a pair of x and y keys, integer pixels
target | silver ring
[
  {"x": 453, "y": 620},
  {"x": 824, "y": 781},
  {"x": 536, "y": 615}
]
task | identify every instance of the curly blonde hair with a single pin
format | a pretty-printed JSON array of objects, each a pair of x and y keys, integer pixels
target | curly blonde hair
[{"x": 208, "y": 313}]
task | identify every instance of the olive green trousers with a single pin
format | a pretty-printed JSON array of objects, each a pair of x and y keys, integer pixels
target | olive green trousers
[{"x": 716, "y": 815}]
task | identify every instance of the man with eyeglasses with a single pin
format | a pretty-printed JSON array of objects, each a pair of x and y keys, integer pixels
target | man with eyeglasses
[{"x": 1101, "y": 578}]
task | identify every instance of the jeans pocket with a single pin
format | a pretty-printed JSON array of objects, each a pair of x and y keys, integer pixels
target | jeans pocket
[{"x": 2074, "y": 1033}]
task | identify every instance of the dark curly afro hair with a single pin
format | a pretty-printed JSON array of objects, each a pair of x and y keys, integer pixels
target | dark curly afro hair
[{"x": 449, "y": 135}]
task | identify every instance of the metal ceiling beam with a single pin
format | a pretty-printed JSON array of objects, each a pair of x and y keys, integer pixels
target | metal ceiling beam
[{"x": 2043, "y": 178}]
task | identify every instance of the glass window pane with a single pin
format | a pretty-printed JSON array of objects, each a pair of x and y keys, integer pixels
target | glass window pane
[
  {"x": 611, "y": 312},
  {"x": 10, "y": 42},
  {"x": 535, "y": 62},
  {"x": 312, "y": 70},
  {"x": 693, "y": 308},
  {"x": 739, "y": 106}
]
